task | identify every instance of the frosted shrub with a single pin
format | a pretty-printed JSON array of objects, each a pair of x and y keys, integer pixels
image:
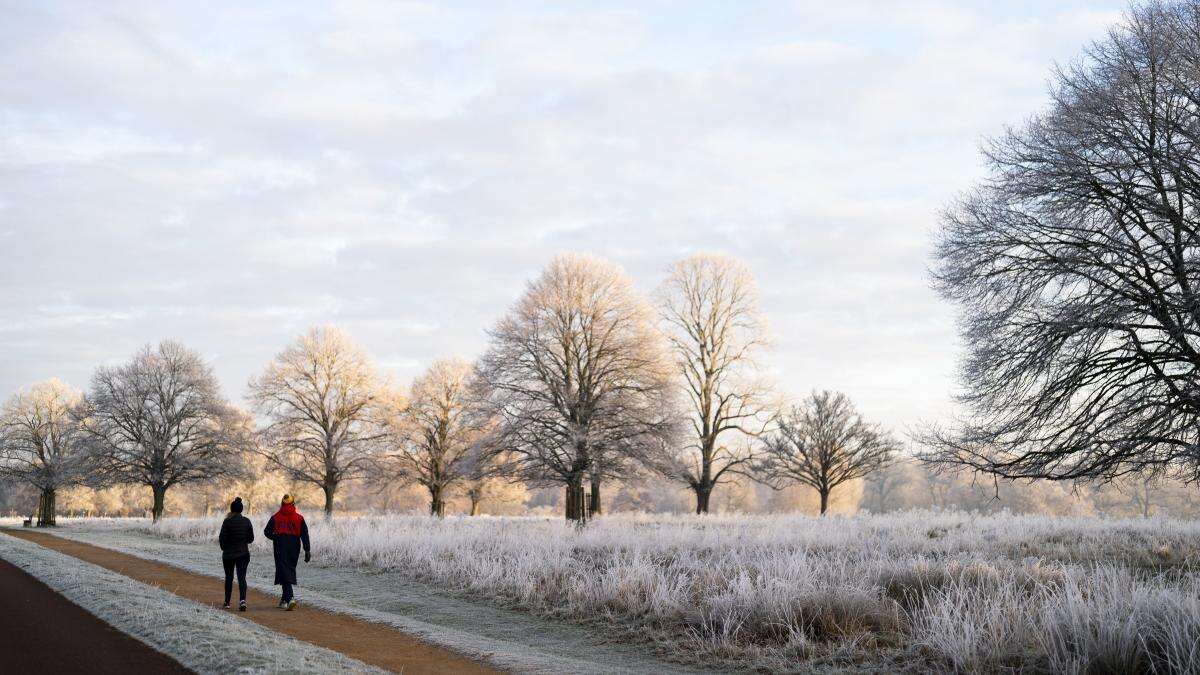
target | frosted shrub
[{"x": 952, "y": 591}]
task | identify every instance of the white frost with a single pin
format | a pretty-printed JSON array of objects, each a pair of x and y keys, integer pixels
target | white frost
[{"x": 949, "y": 590}]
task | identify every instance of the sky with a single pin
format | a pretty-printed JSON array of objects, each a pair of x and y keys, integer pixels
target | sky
[{"x": 230, "y": 174}]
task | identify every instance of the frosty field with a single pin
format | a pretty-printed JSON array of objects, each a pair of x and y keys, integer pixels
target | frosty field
[{"x": 914, "y": 591}]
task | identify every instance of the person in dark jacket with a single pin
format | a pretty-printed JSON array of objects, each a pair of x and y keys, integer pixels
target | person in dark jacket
[
  {"x": 237, "y": 532},
  {"x": 289, "y": 532}
]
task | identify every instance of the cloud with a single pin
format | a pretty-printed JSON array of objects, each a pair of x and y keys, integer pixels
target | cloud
[{"x": 229, "y": 175}]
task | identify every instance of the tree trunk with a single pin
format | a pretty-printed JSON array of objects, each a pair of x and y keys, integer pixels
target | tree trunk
[
  {"x": 160, "y": 495},
  {"x": 703, "y": 492},
  {"x": 824, "y": 499},
  {"x": 46, "y": 507},
  {"x": 437, "y": 505},
  {"x": 595, "y": 505},
  {"x": 475, "y": 502},
  {"x": 330, "y": 490},
  {"x": 575, "y": 501}
]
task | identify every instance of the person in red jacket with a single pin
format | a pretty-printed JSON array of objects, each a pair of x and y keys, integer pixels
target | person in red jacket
[{"x": 288, "y": 531}]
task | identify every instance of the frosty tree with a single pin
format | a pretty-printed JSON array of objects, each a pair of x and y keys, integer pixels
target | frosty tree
[
  {"x": 41, "y": 444},
  {"x": 576, "y": 379},
  {"x": 438, "y": 431},
  {"x": 485, "y": 484},
  {"x": 709, "y": 308},
  {"x": 160, "y": 421},
  {"x": 823, "y": 443},
  {"x": 319, "y": 399},
  {"x": 485, "y": 478},
  {"x": 1074, "y": 267}
]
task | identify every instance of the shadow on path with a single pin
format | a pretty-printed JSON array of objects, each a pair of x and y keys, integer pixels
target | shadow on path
[{"x": 43, "y": 632}]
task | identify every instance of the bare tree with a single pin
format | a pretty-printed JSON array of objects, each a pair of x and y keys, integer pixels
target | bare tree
[
  {"x": 41, "y": 444},
  {"x": 574, "y": 373},
  {"x": 319, "y": 397},
  {"x": 882, "y": 488},
  {"x": 709, "y": 308},
  {"x": 1074, "y": 265},
  {"x": 485, "y": 479},
  {"x": 160, "y": 421},
  {"x": 476, "y": 491},
  {"x": 944, "y": 487},
  {"x": 1142, "y": 494},
  {"x": 439, "y": 430},
  {"x": 823, "y": 443}
]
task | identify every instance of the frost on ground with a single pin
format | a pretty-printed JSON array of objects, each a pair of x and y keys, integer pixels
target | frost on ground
[
  {"x": 199, "y": 637},
  {"x": 919, "y": 590},
  {"x": 510, "y": 639}
]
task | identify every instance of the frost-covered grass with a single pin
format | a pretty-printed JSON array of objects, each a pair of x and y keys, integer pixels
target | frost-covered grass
[
  {"x": 204, "y": 639},
  {"x": 917, "y": 590}
]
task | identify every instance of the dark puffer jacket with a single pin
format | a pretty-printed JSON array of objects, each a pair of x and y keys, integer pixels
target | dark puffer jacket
[{"x": 237, "y": 532}]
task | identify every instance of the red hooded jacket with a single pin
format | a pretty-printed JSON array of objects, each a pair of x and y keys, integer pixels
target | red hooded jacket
[{"x": 287, "y": 521}]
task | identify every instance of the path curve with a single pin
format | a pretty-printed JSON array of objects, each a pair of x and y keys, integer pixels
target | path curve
[{"x": 368, "y": 642}]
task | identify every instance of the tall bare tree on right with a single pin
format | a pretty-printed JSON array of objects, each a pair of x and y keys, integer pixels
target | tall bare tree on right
[
  {"x": 708, "y": 306},
  {"x": 1075, "y": 266},
  {"x": 823, "y": 443}
]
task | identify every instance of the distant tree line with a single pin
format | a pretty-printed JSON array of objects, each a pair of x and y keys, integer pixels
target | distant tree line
[
  {"x": 909, "y": 484},
  {"x": 584, "y": 382}
]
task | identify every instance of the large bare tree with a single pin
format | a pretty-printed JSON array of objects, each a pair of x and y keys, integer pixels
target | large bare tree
[
  {"x": 1074, "y": 267},
  {"x": 319, "y": 397},
  {"x": 708, "y": 306},
  {"x": 160, "y": 421},
  {"x": 576, "y": 373},
  {"x": 438, "y": 431},
  {"x": 41, "y": 444},
  {"x": 823, "y": 443}
]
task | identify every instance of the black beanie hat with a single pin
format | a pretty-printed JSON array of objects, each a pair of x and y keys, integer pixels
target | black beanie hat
[{"x": 236, "y": 506}]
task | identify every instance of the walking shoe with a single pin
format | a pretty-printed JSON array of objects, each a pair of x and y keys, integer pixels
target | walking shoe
[
  {"x": 283, "y": 605},
  {"x": 226, "y": 604},
  {"x": 242, "y": 606},
  {"x": 291, "y": 605}
]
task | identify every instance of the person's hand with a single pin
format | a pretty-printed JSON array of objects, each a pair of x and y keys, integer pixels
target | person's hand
[{"x": 307, "y": 556}]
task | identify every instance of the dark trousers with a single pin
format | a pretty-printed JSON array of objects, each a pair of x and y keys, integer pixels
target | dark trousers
[
  {"x": 239, "y": 564},
  {"x": 287, "y": 592}
]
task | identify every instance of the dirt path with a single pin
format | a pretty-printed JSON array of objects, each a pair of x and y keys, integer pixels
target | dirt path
[
  {"x": 368, "y": 642},
  {"x": 43, "y": 632}
]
